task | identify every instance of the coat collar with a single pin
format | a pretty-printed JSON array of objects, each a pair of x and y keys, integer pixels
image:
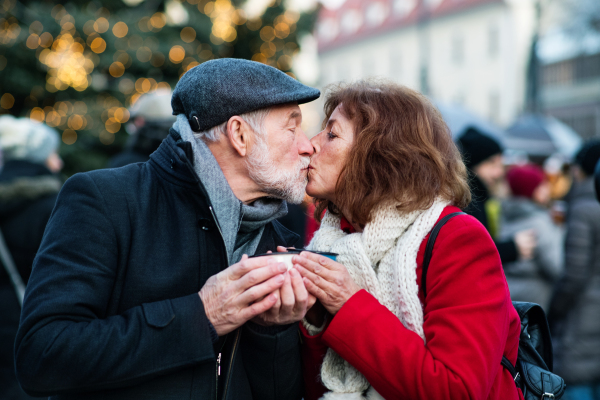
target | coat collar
[
  {"x": 275, "y": 235},
  {"x": 174, "y": 160}
]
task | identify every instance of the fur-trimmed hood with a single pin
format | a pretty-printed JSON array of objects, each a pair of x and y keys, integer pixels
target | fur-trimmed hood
[{"x": 22, "y": 182}]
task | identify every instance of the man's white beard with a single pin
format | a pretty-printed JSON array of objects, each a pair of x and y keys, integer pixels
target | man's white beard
[{"x": 286, "y": 184}]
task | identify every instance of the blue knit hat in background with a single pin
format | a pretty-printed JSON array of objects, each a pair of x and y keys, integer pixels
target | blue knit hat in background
[
  {"x": 216, "y": 90},
  {"x": 24, "y": 139}
]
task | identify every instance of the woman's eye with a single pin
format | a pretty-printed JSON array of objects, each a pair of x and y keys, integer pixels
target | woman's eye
[{"x": 331, "y": 135}]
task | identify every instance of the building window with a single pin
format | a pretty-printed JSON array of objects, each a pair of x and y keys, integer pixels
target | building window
[
  {"x": 584, "y": 123},
  {"x": 343, "y": 72},
  {"x": 328, "y": 29},
  {"x": 494, "y": 107},
  {"x": 458, "y": 51},
  {"x": 403, "y": 8},
  {"x": 424, "y": 80},
  {"x": 376, "y": 13},
  {"x": 395, "y": 64},
  {"x": 493, "y": 41},
  {"x": 368, "y": 65},
  {"x": 328, "y": 74},
  {"x": 351, "y": 21}
]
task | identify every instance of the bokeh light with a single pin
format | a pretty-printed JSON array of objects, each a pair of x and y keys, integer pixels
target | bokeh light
[
  {"x": 116, "y": 69},
  {"x": 7, "y": 101},
  {"x": 120, "y": 29},
  {"x": 188, "y": 34},
  {"x": 98, "y": 45},
  {"x": 69, "y": 136},
  {"x": 176, "y": 54},
  {"x": 101, "y": 25}
]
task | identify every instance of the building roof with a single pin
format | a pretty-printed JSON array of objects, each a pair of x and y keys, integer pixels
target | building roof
[{"x": 359, "y": 19}]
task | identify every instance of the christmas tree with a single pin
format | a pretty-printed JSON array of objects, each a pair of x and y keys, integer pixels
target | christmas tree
[{"x": 77, "y": 66}]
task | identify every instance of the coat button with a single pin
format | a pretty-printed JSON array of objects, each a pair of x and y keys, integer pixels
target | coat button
[{"x": 206, "y": 224}]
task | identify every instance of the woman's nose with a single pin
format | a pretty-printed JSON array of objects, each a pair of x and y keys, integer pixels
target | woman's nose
[{"x": 315, "y": 141}]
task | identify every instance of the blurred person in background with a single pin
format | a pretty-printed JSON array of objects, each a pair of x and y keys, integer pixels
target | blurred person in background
[
  {"x": 483, "y": 157},
  {"x": 532, "y": 280},
  {"x": 574, "y": 313},
  {"x": 151, "y": 116},
  {"x": 28, "y": 190}
]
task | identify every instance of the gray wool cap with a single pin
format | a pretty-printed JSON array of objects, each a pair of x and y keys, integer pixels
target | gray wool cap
[
  {"x": 25, "y": 139},
  {"x": 216, "y": 90}
]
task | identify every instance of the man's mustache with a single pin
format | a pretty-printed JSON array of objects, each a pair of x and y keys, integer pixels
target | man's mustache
[{"x": 304, "y": 162}]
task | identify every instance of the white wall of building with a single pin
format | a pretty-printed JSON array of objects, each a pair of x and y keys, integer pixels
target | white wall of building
[{"x": 477, "y": 58}]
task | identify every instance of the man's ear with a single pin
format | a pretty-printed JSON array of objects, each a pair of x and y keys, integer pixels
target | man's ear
[{"x": 239, "y": 135}]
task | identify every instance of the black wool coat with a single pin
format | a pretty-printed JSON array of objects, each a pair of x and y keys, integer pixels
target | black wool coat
[
  {"x": 479, "y": 196},
  {"x": 112, "y": 307}
]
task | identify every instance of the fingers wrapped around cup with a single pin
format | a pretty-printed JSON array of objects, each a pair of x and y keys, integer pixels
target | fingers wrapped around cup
[{"x": 326, "y": 279}]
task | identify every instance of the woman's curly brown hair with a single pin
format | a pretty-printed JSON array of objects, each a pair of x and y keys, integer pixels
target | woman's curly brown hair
[{"x": 403, "y": 152}]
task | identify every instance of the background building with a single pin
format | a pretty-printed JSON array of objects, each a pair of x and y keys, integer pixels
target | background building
[
  {"x": 473, "y": 53},
  {"x": 570, "y": 78}
]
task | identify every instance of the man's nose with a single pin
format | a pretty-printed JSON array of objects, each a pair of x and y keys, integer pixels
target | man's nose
[{"x": 305, "y": 147}]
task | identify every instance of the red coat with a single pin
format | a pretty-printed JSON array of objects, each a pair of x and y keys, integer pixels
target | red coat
[{"x": 469, "y": 323}]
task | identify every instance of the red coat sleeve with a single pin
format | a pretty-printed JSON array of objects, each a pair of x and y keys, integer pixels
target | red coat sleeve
[{"x": 467, "y": 320}]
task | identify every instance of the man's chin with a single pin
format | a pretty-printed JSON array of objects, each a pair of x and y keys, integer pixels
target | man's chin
[{"x": 297, "y": 196}]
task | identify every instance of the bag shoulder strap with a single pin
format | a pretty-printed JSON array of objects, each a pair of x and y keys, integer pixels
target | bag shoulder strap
[
  {"x": 428, "y": 251},
  {"x": 429, "y": 247},
  {"x": 511, "y": 369}
]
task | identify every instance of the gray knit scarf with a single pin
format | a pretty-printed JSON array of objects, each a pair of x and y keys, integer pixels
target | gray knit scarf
[{"x": 242, "y": 225}]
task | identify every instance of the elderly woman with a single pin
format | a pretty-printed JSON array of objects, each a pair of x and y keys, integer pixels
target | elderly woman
[{"x": 385, "y": 169}]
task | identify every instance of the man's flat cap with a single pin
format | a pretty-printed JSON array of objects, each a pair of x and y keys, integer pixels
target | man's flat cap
[{"x": 216, "y": 90}]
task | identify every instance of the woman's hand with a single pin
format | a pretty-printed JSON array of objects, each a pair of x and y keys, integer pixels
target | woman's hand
[{"x": 327, "y": 280}]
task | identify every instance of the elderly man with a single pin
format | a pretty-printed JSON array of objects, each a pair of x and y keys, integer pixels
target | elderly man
[{"x": 142, "y": 287}]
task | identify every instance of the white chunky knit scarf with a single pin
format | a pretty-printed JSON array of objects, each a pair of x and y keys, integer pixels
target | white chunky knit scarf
[{"x": 383, "y": 261}]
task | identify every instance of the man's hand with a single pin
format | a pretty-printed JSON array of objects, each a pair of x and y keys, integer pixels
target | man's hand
[
  {"x": 292, "y": 303},
  {"x": 241, "y": 292}
]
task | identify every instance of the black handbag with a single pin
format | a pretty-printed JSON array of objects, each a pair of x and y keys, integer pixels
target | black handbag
[{"x": 533, "y": 372}]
